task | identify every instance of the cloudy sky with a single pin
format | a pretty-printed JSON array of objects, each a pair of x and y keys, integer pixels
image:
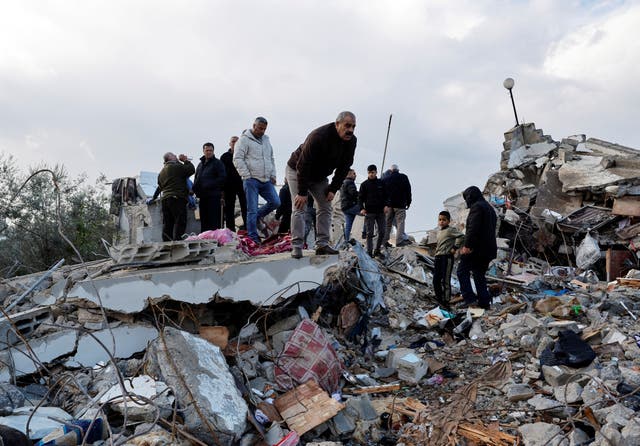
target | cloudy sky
[{"x": 109, "y": 86}]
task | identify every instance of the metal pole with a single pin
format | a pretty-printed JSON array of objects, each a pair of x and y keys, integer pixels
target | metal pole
[
  {"x": 36, "y": 283},
  {"x": 514, "y": 107},
  {"x": 385, "y": 145}
]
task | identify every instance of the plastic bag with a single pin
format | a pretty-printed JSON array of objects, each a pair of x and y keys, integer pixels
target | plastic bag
[{"x": 588, "y": 252}]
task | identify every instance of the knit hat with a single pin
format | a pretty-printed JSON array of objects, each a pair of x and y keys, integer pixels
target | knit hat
[{"x": 372, "y": 168}]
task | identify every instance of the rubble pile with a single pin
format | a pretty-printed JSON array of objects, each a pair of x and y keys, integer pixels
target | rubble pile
[{"x": 195, "y": 343}]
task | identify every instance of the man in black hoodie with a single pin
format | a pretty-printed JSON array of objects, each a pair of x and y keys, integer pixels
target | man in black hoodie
[
  {"x": 208, "y": 187},
  {"x": 479, "y": 248}
]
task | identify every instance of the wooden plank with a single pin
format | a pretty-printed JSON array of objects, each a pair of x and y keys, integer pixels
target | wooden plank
[
  {"x": 627, "y": 206},
  {"x": 375, "y": 389},
  {"x": 306, "y": 407}
]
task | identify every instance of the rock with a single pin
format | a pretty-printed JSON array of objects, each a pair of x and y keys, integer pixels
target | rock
[
  {"x": 591, "y": 393},
  {"x": 13, "y": 437},
  {"x": 614, "y": 336},
  {"x": 631, "y": 433},
  {"x": 630, "y": 376},
  {"x": 542, "y": 434},
  {"x": 519, "y": 392},
  {"x": 552, "y": 407},
  {"x": 578, "y": 437},
  {"x": 204, "y": 382},
  {"x": 558, "y": 375},
  {"x": 607, "y": 435},
  {"x": 618, "y": 414},
  {"x": 10, "y": 398},
  {"x": 568, "y": 393}
]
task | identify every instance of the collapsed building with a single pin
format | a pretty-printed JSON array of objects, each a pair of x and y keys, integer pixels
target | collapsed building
[{"x": 198, "y": 342}]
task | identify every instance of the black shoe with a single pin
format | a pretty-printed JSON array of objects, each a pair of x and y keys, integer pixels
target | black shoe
[
  {"x": 370, "y": 254},
  {"x": 326, "y": 251},
  {"x": 388, "y": 245},
  {"x": 403, "y": 243},
  {"x": 378, "y": 254},
  {"x": 296, "y": 253}
]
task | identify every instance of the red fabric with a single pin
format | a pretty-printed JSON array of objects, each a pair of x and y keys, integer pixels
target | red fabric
[
  {"x": 272, "y": 245},
  {"x": 308, "y": 355}
]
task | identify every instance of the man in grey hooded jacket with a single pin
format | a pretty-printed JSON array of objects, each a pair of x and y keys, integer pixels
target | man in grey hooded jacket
[{"x": 253, "y": 159}]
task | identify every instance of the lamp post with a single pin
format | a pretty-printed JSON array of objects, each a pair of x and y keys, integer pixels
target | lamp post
[{"x": 508, "y": 84}]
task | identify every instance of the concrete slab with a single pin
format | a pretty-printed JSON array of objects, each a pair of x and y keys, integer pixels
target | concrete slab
[
  {"x": 594, "y": 172},
  {"x": 45, "y": 349},
  {"x": 129, "y": 339},
  {"x": 261, "y": 281}
]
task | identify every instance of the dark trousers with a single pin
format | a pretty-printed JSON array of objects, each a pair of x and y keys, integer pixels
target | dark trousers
[
  {"x": 285, "y": 222},
  {"x": 442, "y": 278},
  {"x": 468, "y": 266},
  {"x": 174, "y": 218},
  {"x": 210, "y": 213},
  {"x": 230, "y": 207},
  {"x": 372, "y": 220}
]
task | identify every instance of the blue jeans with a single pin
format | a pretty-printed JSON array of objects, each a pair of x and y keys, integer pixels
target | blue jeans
[
  {"x": 349, "y": 217},
  {"x": 467, "y": 266},
  {"x": 253, "y": 188}
]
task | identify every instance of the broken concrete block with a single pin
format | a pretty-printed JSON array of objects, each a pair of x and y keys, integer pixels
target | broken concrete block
[
  {"x": 614, "y": 336},
  {"x": 618, "y": 414},
  {"x": 631, "y": 433},
  {"x": 412, "y": 368},
  {"x": 43, "y": 420},
  {"x": 519, "y": 392},
  {"x": 279, "y": 340},
  {"x": 140, "y": 410},
  {"x": 11, "y": 397},
  {"x": 306, "y": 407},
  {"x": 198, "y": 372},
  {"x": 217, "y": 335},
  {"x": 558, "y": 375},
  {"x": 542, "y": 434},
  {"x": 555, "y": 327},
  {"x": 578, "y": 437},
  {"x": 630, "y": 376},
  {"x": 286, "y": 324},
  {"x": 608, "y": 435},
  {"x": 552, "y": 407},
  {"x": 568, "y": 393},
  {"x": 394, "y": 356}
]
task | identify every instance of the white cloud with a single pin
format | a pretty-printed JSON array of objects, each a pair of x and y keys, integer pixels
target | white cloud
[{"x": 108, "y": 86}]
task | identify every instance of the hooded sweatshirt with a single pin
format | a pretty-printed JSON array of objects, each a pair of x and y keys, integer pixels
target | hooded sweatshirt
[{"x": 480, "y": 234}]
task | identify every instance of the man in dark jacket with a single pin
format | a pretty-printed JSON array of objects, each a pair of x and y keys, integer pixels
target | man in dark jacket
[
  {"x": 172, "y": 181},
  {"x": 373, "y": 201},
  {"x": 399, "y": 190},
  {"x": 232, "y": 188},
  {"x": 208, "y": 187},
  {"x": 283, "y": 213},
  {"x": 349, "y": 203},
  {"x": 479, "y": 248},
  {"x": 327, "y": 149}
]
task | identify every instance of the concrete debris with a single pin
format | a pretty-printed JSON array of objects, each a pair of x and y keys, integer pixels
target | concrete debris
[{"x": 195, "y": 342}]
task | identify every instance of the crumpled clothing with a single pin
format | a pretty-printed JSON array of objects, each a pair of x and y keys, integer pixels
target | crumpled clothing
[
  {"x": 222, "y": 236},
  {"x": 271, "y": 245}
]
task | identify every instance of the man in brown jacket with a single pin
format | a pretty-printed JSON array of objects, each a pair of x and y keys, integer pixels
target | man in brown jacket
[{"x": 328, "y": 149}]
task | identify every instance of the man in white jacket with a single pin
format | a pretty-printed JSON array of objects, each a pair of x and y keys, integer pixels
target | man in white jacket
[{"x": 253, "y": 158}]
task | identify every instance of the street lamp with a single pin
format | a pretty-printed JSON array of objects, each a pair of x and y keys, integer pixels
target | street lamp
[{"x": 508, "y": 84}]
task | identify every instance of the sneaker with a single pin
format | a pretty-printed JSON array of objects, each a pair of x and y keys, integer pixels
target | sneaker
[
  {"x": 378, "y": 254},
  {"x": 388, "y": 245},
  {"x": 296, "y": 253},
  {"x": 403, "y": 243},
  {"x": 326, "y": 251}
]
